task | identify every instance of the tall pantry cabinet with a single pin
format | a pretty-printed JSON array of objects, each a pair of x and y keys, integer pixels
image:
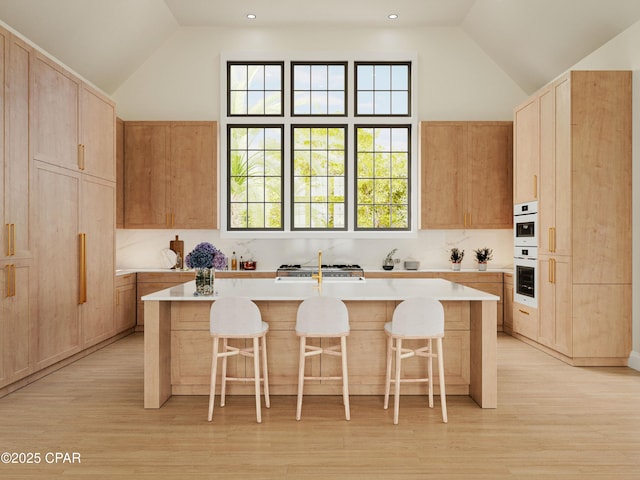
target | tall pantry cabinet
[
  {"x": 58, "y": 235},
  {"x": 581, "y": 136},
  {"x": 17, "y": 286}
]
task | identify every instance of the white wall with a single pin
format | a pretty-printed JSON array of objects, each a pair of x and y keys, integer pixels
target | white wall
[
  {"x": 623, "y": 53},
  {"x": 180, "y": 81}
]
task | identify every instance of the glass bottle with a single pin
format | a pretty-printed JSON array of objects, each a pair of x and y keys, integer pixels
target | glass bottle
[{"x": 234, "y": 262}]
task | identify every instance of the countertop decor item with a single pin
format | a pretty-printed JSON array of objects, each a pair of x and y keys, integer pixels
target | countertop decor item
[
  {"x": 483, "y": 255},
  {"x": 455, "y": 256},
  {"x": 205, "y": 259},
  {"x": 177, "y": 246},
  {"x": 388, "y": 262}
]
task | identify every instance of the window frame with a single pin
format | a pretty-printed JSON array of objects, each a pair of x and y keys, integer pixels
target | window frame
[
  {"x": 356, "y": 90},
  {"x": 229, "y": 177},
  {"x": 356, "y": 177},
  {"x": 345, "y": 177},
  {"x": 228, "y": 91},
  {"x": 351, "y": 58},
  {"x": 345, "y": 90}
]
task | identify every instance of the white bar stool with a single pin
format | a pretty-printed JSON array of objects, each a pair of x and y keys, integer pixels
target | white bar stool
[
  {"x": 323, "y": 317},
  {"x": 422, "y": 319},
  {"x": 235, "y": 317}
]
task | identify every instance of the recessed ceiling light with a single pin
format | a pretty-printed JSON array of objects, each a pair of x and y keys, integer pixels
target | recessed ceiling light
[
  {"x": 393, "y": 16},
  {"x": 251, "y": 16}
]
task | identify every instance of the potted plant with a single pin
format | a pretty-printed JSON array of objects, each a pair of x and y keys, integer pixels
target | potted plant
[
  {"x": 456, "y": 255},
  {"x": 388, "y": 262},
  {"x": 483, "y": 255},
  {"x": 205, "y": 259}
]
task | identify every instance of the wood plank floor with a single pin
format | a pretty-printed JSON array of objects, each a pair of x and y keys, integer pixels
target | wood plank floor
[{"x": 553, "y": 422}]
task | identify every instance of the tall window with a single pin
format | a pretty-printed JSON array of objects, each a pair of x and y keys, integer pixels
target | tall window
[
  {"x": 382, "y": 170},
  {"x": 255, "y": 173},
  {"x": 337, "y": 158},
  {"x": 319, "y": 167}
]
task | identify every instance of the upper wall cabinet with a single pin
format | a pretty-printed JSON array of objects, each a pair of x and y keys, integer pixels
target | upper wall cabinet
[
  {"x": 73, "y": 125},
  {"x": 526, "y": 151},
  {"x": 170, "y": 175},
  {"x": 466, "y": 175}
]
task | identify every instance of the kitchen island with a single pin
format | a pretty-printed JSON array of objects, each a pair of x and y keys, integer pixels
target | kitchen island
[{"x": 177, "y": 343}]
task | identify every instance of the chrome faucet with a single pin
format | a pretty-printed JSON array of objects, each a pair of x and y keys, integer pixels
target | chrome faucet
[{"x": 319, "y": 275}]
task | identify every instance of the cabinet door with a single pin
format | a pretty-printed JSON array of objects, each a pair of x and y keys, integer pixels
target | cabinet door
[
  {"x": 55, "y": 230},
  {"x": 193, "y": 175},
  {"x": 54, "y": 114},
  {"x": 526, "y": 156},
  {"x": 15, "y": 321},
  {"x": 490, "y": 177},
  {"x": 17, "y": 242},
  {"x": 555, "y": 304},
  {"x": 119, "y": 173},
  {"x": 146, "y": 146},
  {"x": 443, "y": 174},
  {"x": 547, "y": 184},
  {"x": 98, "y": 225},
  {"x": 97, "y": 134},
  {"x": 125, "y": 307}
]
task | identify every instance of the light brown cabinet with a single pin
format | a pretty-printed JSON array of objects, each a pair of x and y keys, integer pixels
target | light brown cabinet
[
  {"x": 507, "y": 299},
  {"x": 466, "y": 174},
  {"x": 584, "y": 212},
  {"x": 125, "y": 316},
  {"x": 16, "y": 282},
  {"x": 56, "y": 183},
  {"x": 170, "y": 175},
  {"x": 526, "y": 157},
  {"x": 119, "y": 173},
  {"x": 149, "y": 282}
]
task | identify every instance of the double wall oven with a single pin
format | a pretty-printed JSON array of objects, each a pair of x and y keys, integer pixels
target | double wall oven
[{"x": 525, "y": 261}]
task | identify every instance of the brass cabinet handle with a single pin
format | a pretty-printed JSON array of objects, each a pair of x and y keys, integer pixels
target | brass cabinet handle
[
  {"x": 83, "y": 268},
  {"x": 523, "y": 311},
  {"x": 11, "y": 239},
  {"x": 535, "y": 186},
  {"x": 81, "y": 156},
  {"x": 10, "y": 279}
]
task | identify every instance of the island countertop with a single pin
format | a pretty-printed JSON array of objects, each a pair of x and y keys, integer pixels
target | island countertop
[
  {"x": 269, "y": 289},
  {"x": 177, "y": 342}
]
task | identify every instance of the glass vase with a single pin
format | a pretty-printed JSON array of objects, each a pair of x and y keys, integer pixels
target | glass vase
[{"x": 204, "y": 281}]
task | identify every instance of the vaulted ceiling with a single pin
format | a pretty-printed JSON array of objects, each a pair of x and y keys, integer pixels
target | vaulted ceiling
[{"x": 533, "y": 41}]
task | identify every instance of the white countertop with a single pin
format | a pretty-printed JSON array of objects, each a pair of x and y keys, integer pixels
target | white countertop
[{"x": 371, "y": 289}]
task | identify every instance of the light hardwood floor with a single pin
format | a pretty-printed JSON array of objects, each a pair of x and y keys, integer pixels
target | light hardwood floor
[{"x": 553, "y": 422}]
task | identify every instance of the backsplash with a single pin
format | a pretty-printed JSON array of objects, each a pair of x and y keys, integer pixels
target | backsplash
[{"x": 140, "y": 249}]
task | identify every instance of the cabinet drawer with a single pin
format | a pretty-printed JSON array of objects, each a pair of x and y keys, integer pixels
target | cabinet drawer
[{"x": 525, "y": 321}]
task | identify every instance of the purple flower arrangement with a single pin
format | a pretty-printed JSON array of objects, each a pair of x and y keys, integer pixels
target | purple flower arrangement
[{"x": 205, "y": 255}]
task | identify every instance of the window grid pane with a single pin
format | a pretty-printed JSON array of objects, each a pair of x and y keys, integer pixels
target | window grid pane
[
  {"x": 255, "y": 169},
  {"x": 319, "y": 89},
  {"x": 383, "y": 177},
  {"x": 255, "y": 89},
  {"x": 318, "y": 177},
  {"x": 383, "y": 89}
]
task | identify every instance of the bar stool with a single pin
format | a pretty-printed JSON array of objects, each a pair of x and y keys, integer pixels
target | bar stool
[
  {"x": 323, "y": 317},
  {"x": 422, "y": 319},
  {"x": 235, "y": 317}
]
